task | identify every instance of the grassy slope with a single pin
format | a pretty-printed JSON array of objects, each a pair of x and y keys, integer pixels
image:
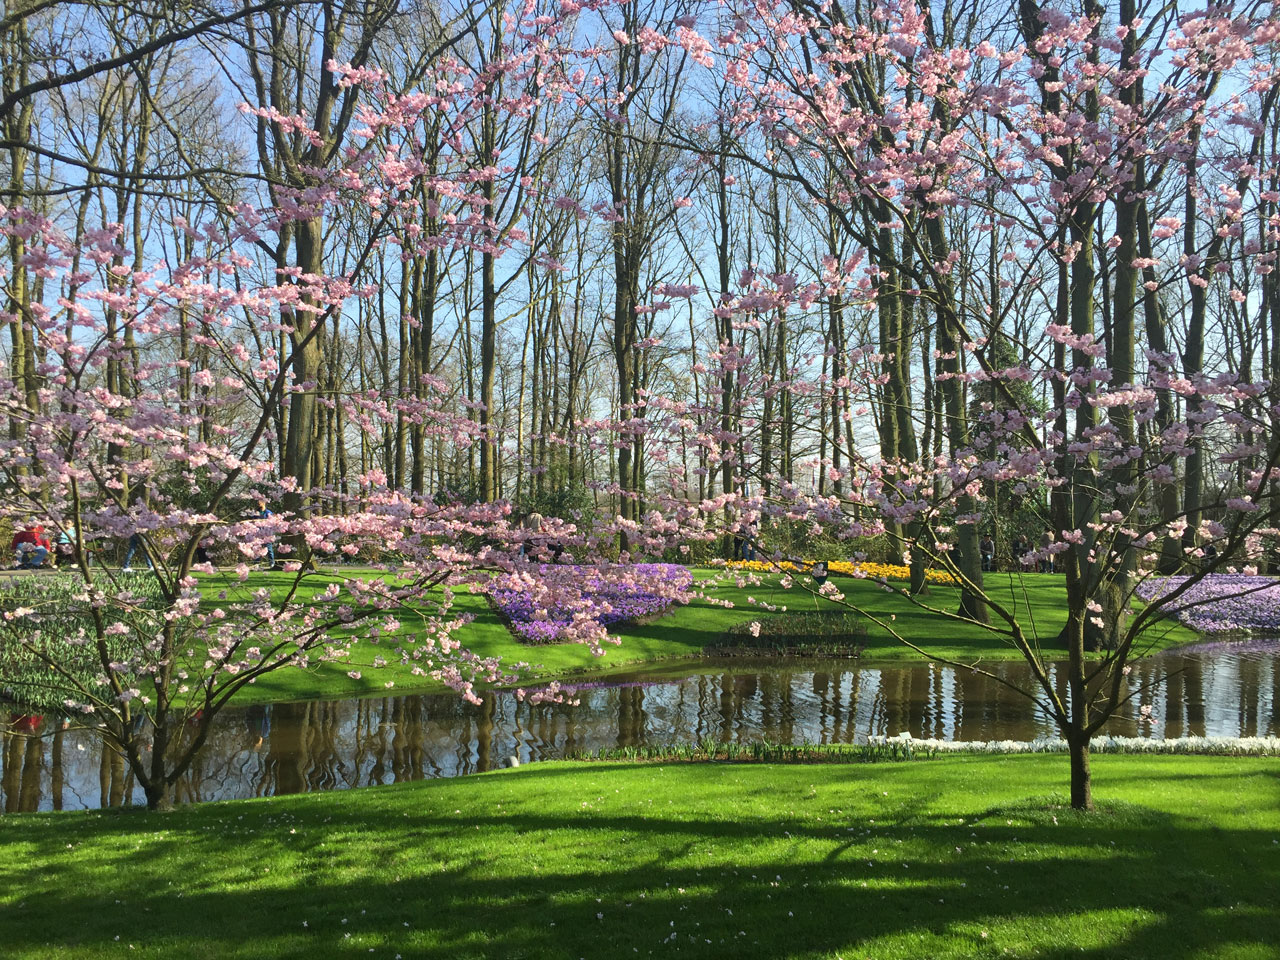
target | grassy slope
[
  {"x": 1038, "y": 601},
  {"x": 952, "y": 858}
]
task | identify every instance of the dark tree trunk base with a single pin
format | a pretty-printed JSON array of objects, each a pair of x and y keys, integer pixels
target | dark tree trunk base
[
  {"x": 972, "y": 608},
  {"x": 1081, "y": 775},
  {"x": 1095, "y": 639},
  {"x": 160, "y": 800}
]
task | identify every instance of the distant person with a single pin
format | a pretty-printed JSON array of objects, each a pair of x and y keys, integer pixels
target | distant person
[
  {"x": 531, "y": 546},
  {"x": 31, "y": 548},
  {"x": 538, "y": 548},
  {"x": 744, "y": 547},
  {"x": 1209, "y": 554},
  {"x": 135, "y": 544},
  {"x": 1046, "y": 541},
  {"x": 1017, "y": 550},
  {"x": 64, "y": 547},
  {"x": 264, "y": 512},
  {"x": 987, "y": 549}
]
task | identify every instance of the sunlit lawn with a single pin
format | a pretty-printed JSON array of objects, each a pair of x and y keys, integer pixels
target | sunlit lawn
[
  {"x": 1038, "y": 600},
  {"x": 958, "y": 857}
]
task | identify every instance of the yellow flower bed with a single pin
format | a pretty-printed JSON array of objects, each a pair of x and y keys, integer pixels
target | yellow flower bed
[{"x": 881, "y": 571}]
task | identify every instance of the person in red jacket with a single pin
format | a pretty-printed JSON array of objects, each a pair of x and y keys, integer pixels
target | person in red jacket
[{"x": 31, "y": 546}]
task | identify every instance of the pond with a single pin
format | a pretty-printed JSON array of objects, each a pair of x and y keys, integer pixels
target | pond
[{"x": 1224, "y": 689}]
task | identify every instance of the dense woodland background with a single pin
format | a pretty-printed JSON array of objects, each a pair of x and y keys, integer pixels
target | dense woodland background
[{"x": 529, "y": 291}]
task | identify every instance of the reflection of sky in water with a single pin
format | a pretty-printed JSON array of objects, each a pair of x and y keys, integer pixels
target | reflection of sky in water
[{"x": 1212, "y": 690}]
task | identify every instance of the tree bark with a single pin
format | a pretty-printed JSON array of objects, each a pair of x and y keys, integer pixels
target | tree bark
[{"x": 1081, "y": 775}]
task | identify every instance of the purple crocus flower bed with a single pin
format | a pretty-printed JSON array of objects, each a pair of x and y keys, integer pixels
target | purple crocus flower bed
[
  {"x": 541, "y": 612},
  {"x": 1221, "y": 602}
]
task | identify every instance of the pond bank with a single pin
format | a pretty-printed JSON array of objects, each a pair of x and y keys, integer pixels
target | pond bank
[{"x": 689, "y": 631}]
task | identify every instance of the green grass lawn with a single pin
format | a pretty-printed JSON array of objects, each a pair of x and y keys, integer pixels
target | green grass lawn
[
  {"x": 1037, "y": 599},
  {"x": 957, "y": 857}
]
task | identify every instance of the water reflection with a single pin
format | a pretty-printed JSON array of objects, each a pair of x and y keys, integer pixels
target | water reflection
[{"x": 1219, "y": 690}]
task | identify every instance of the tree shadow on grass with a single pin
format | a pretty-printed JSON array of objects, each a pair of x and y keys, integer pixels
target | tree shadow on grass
[{"x": 519, "y": 871}]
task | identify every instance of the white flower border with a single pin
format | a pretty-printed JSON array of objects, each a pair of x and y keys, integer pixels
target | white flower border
[{"x": 1214, "y": 746}]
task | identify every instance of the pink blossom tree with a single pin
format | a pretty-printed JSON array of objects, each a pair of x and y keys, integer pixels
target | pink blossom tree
[
  {"x": 1046, "y": 143},
  {"x": 106, "y": 459}
]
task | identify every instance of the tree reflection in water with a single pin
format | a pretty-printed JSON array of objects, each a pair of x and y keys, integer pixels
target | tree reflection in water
[{"x": 336, "y": 745}]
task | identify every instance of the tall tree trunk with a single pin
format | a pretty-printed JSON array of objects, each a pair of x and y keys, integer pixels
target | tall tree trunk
[
  {"x": 488, "y": 362},
  {"x": 949, "y": 337},
  {"x": 300, "y": 435},
  {"x": 1193, "y": 351},
  {"x": 1116, "y": 583},
  {"x": 14, "y": 74}
]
